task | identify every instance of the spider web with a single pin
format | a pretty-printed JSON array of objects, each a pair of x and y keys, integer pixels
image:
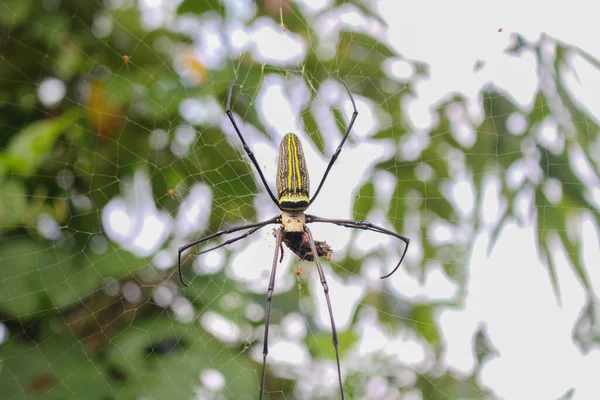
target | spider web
[{"x": 119, "y": 151}]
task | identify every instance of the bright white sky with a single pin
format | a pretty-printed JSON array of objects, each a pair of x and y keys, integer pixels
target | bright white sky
[{"x": 509, "y": 292}]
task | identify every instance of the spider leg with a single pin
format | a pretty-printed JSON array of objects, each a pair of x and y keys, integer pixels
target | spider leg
[
  {"x": 326, "y": 290},
  {"x": 349, "y": 223},
  {"x": 339, "y": 149},
  {"x": 245, "y": 235},
  {"x": 246, "y": 148},
  {"x": 257, "y": 225},
  {"x": 278, "y": 240}
]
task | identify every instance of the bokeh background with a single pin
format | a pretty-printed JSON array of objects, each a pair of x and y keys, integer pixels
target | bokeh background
[{"x": 477, "y": 137}]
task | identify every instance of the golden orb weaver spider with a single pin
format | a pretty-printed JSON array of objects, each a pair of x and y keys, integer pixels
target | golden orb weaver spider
[{"x": 293, "y": 199}]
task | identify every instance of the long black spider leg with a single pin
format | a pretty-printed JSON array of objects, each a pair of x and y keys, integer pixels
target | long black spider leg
[
  {"x": 245, "y": 235},
  {"x": 339, "y": 149},
  {"x": 313, "y": 248},
  {"x": 349, "y": 223},
  {"x": 273, "y": 220},
  {"x": 268, "y": 316},
  {"x": 246, "y": 148}
]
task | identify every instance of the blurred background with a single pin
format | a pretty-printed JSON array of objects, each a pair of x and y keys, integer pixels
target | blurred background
[{"x": 477, "y": 138}]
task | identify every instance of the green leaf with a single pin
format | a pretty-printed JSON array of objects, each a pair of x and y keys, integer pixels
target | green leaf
[
  {"x": 229, "y": 173},
  {"x": 364, "y": 201},
  {"x": 422, "y": 320},
  {"x": 454, "y": 387},
  {"x": 159, "y": 356},
  {"x": 200, "y": 7},
  {"x": 436, "y": 201},
  {"x": 358, "y": 55},
  {"x": 28, "y": 149},
  {"x": 28, "y": 271},
  {"x": 88, "y": 272},
  {"x": 321, "y": 343},
  {"x": 544, "y": 225},
  {"x": 495, "y": 232},
  {"x": 312, "y": 129},
  {"x": 367, "y": 45},
  {"x": 396, "y": 132},
  {"x": 14, "y": 12},
  {"x": 397, "y": 207},
  {"x": 13, "y": 204},
  {"x": 53, "y": 369},
  {"x": 340, "y": 122},
  {"x": 36, "y": 277},
  {"x": 540, "y": 109}
]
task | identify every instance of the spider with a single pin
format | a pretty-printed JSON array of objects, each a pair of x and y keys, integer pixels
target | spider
[{"x": 293, "y": 199}]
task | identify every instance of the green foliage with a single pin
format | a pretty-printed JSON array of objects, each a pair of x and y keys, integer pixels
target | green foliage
[
  {"x": 311, "y": 127},
  {"x": 56, "y": 368},
  {"x": 321, "y": 344},
  {"x": 364, "y": 201},
  {"x": 160, "y": 357},
  {"x": 28, "y": 149},
  {"x": 199, "y": 7}
]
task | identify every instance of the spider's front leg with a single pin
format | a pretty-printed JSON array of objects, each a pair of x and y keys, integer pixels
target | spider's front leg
[{"x": 365, "y": 225}]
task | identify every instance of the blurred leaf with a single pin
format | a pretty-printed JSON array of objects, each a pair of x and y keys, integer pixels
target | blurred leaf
[
  {"x": 340, "y": 122},
  {"x": 544, "y": 226},
  {"x": 243, "y": 96},
  {"x": 321, "y": 343},
  {"x": 54, "y": 369},
  {"x": 46, "y": 277},
  {"x": 27, "y": 150},
  {"x": 364, "y": 201},
  {"x": 520, "y": 45},
  {"x": 540, "y": 109},
  {"x": 587, "y": 326},
  {"x": 568, "y": 394},
  {"x": 357, "y": 55},
  {"x": 68, "y": 60},
  {"x": 421, "y": 318},
  {"x": 89, "y": 271},
  {"x": 437, "y": 202},
  {"x": 484, "y": 348},
  {"x": 312, "y": 129},
  {"x": 13, "y": 204},
  {"x": 397, "y": 208},
  {"x": 556, "y": 219},
  {"x": 14, "y": 12},
  {"x": 367, "y": 45},
  {"x": 229, "y": 173},
  {"x": 396, "y": 133},
  {"x": 188, "y": 352},
  {"x": 28, "y": 272},
  {"x": 200, "y": 7},
  {"x": 498, "y": 225},
  {"x": 349, "y": 266},
  {"x": 454, "y": 387}
]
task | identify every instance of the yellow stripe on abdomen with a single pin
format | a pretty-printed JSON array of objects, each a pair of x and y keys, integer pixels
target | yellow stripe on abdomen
[
  {"x": 297, "y": 162},
  {"x": 290, "y": 163}
]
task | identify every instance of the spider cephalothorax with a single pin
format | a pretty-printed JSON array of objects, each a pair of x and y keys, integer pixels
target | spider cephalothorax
[{"x": 293, "y": 199}]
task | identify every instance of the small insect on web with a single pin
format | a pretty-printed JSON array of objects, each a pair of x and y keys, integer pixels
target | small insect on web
[{"x": 293, "y": 199}]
